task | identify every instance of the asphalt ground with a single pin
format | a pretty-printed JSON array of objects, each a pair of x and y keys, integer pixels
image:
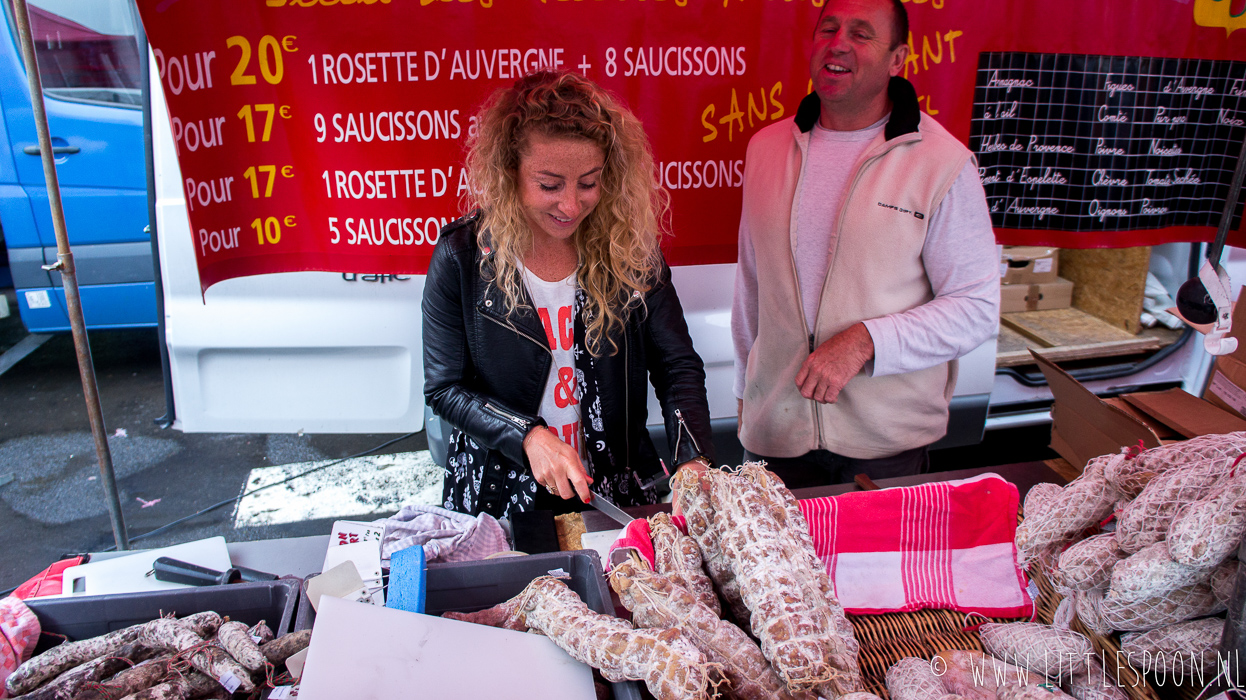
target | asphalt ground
[{"x": 54, "y": 504}]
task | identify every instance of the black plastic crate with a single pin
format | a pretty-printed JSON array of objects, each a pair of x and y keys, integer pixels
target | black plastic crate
[
  {"x": 83, "y": 617},
  {"x": 474, "y": 585}
]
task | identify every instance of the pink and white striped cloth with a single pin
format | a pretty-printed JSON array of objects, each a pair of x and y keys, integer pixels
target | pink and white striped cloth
[
  {"x": 940, "y": 545},
  {"x": 947, "y": 544}
]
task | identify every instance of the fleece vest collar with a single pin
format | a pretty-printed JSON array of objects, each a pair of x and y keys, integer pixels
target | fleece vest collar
[{"x": 905, "y": 114}]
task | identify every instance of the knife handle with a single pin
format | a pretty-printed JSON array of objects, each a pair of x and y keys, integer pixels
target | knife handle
[
  {"x": 251, "y": 575},
  {"x": 175, "y": 571}
]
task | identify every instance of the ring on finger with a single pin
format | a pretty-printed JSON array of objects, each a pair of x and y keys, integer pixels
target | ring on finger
[{"x": 551, "y": 489}]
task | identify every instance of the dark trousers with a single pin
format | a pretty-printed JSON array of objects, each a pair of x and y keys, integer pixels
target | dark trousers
[{"x": 822, "y": 467}]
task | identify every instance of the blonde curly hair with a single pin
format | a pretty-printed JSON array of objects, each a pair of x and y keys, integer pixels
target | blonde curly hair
[{"x": 619, "y": 257}]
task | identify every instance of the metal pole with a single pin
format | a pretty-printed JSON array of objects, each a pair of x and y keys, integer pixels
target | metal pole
[
  {"x": 69, "y": 278},
  {"x": 1230, "y": 205}
]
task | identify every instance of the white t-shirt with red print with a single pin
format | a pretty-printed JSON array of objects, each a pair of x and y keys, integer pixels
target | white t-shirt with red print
[{"x": 560, "y": 404}]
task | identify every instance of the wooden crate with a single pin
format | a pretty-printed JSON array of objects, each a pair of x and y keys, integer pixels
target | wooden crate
[
  {"x": 1070, "y": 334},
  {"x": 1108, "y": 286},
  {"x": 1108, "y": 283}
]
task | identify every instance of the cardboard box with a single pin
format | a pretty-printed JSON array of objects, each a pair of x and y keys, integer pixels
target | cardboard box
[
  {"x": 1227, "y": 388},
  {"x": 1028, "y": 265},
  {"x": 1035, "y": 297},
  {"x": 1083, "y": 426},
  {"x": 1228, "y": 377}
]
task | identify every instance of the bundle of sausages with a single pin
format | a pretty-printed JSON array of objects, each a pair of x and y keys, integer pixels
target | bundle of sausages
[
  {"x": 1169, "y": 558},
  {"x": 669, "y": 664},
  {"x": 198, "y": 656},
  {"x": 759, "y": 553},
  {"x": 746, "y": 532}
]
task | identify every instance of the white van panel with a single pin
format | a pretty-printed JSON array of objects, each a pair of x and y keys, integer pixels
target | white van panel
[{"x": 705, "y": 293}]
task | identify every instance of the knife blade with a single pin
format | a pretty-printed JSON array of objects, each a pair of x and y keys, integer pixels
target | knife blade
[{"x": 614, "y": 512}]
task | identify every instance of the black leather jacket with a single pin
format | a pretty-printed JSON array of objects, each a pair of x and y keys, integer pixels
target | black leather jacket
[{"x": 485, "y": 370}]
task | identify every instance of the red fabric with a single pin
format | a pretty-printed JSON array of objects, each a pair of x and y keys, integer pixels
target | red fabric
[
  {"x": 336, "y": 202},
  {"x": 946, "y": 545},
  {"x": 48, "y": 582},
  {"x": 19, "y": 632},
  {"x": 636, "y": 536}
]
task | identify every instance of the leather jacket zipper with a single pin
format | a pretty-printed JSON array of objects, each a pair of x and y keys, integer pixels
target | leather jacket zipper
[
  {"x": 520, "y": 422},
  {"x": 683, "y": 428},
  {"x": 512, "y": 328}
]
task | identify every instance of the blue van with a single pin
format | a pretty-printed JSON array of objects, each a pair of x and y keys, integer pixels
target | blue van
[{"x": 89, "y": 62}]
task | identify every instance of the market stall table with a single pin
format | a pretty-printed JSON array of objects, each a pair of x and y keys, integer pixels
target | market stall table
[{"x": 302, "y": 556}]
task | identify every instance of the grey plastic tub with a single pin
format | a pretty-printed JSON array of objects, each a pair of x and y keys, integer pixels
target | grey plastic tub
[
  {"x": 83, "y": 617},
  {"x": 474, "y": 585}
]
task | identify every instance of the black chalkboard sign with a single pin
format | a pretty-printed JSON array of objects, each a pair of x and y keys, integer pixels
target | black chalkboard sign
[{"x": 1107, "y": 143}]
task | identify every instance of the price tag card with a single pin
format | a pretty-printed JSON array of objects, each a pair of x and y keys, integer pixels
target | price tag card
[
  {"x": 365, "y": 555},
  {"x": 230, "y": 682},
  {"x": 353, "y": 532}
]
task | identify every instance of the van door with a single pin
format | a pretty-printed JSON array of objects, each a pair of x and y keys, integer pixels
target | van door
[{"x": 89, "y": 63}]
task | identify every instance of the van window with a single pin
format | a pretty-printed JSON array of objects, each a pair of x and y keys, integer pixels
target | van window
[{"x": 87, "y": 50}]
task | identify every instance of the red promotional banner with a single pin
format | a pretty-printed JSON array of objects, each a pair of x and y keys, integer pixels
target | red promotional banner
[{"x": 329, "y": 134}]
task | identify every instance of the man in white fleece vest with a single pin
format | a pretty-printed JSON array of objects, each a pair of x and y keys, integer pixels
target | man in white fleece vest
[{"x": 867, "y": 265}]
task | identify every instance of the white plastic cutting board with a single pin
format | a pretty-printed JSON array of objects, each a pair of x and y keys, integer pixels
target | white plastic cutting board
[
  {"x": 128, "y": 574},
  {"x": 601, "y": 541},
  {"x": 365, "y": 652}
]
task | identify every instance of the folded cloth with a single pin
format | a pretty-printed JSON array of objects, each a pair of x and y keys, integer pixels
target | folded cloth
[
  {"x": 636, "y": 537},
  {"x": 444, "y": 534},
  {"x": 946, "y": 544},
  {"x": 19, "y": 632}
]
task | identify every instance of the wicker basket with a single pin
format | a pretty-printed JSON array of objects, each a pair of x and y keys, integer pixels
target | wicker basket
[{"x": 885, "y": 639}]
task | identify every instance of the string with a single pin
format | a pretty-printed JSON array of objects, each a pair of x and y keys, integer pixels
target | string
[
  {"x": 1233, "y": 467},
  {"x": 966, "y": 627}
]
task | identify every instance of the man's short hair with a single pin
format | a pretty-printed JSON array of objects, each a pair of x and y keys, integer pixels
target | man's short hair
[{"x": 899, "y": 24}]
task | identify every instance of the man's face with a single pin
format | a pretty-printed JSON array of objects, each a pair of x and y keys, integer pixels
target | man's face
[{"x": 851, "y": 62}]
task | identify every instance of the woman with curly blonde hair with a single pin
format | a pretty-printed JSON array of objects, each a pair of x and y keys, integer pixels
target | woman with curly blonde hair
[{"x": 549, "y": 308}]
